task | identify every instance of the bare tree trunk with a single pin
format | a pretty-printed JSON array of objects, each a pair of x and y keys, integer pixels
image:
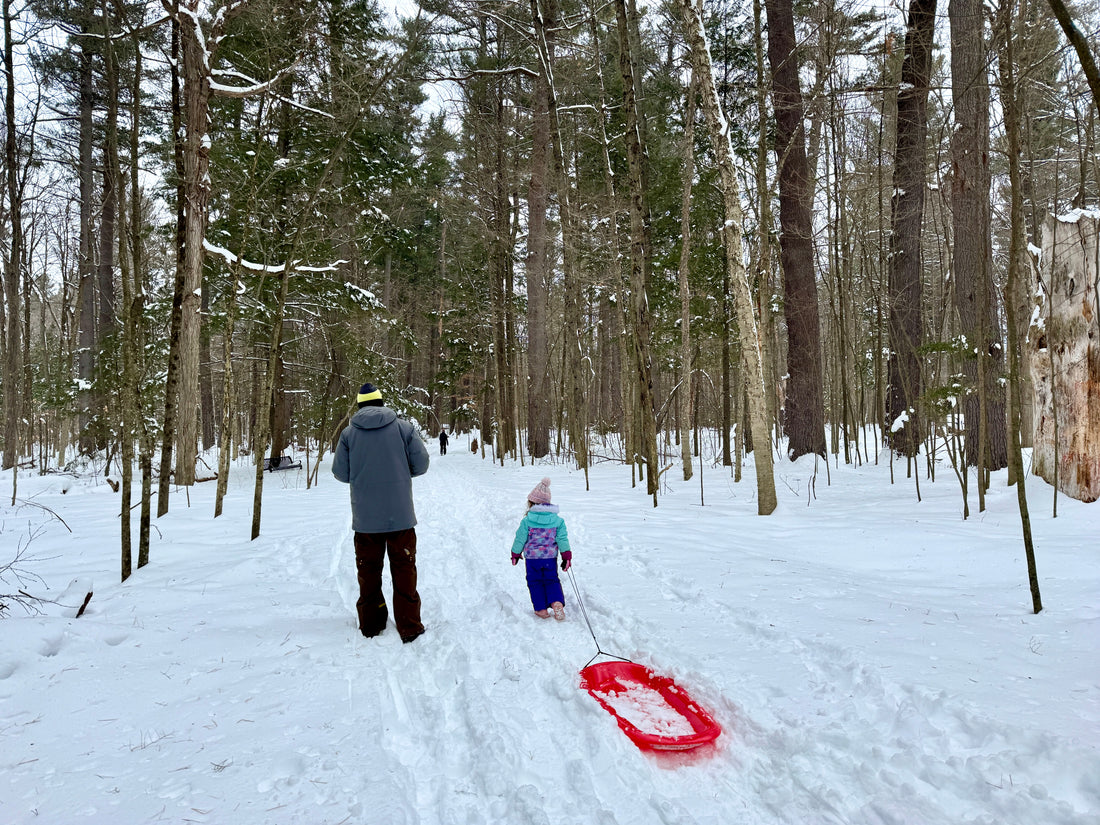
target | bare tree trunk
[
  {"x": 510, "y": 415},
  {"x": 501, "y": 273},
  {"x": 538, "y": 270},
  {"x": 762, "y": 261},
  {"x": 1081, "y": 46},
  {"x": 87, "y": 341},
  {"x": 686, "y": 367},
  {"x": 616, "y": 382},
  {"x": 263, "y": 417},
  {"x": 576, "y": 419},
  {"x": 435, "y": 397},
  {"x": 195, "y": 60},
  {"x": 639, "y": 252},
  {"x": 171, "y": 382},
  {"x": 907, "y": 211},
  {"x": 13, "y": 347},
  {"x": 972, "y": 252},
  {"x": 135, "y": 312},
  {"x": 129, "y": 384},
  {"x": 105, "y": 267},
  {"x": 279, "y": 414},
  {"x": 226, "y": 440},
  {"x": 206, "y": 380},
  {"x": 746, "y": 316},
  {"x": 805, "y": 400},
  {"x": 731, "y": 453},
  {"x": 114, "y": 216},
  {"x": 1015, "y": 258}
]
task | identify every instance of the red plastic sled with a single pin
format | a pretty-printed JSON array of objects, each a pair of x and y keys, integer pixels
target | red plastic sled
[{"x": 655, "y": 712}]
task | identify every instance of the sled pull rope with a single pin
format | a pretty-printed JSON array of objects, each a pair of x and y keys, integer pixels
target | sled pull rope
[{"x": 584, "y": 613}]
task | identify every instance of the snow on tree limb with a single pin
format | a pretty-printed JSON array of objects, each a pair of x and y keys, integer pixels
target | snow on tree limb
[{"x": 231, "y": 258}]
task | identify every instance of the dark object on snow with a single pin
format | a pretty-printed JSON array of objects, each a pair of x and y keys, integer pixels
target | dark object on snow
[
  {"x": 283, "y": 462},
  {"x": 631, "y": 686},
  {"x": 443, "y": 439},
  {"x": 473, "y": 446},
  {"x": 74, "y": 600}
]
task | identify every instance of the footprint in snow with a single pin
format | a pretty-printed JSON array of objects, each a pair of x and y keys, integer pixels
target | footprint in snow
[{"x": 509, "y": 670}]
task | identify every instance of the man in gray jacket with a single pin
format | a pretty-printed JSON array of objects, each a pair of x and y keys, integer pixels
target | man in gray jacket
[{"x": 378, "y": 455}]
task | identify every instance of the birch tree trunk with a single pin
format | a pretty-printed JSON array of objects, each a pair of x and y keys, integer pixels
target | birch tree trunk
[{"x": 752, "y": 355}]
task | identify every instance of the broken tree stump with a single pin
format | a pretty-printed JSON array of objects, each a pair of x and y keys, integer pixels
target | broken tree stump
[{"x": 1064, "y": 350}]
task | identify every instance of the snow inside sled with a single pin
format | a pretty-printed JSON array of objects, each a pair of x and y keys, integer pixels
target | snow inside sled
[{"x": 655, "y": 712}]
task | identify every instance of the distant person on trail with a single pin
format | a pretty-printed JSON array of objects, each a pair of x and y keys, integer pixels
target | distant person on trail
[
  {"x": 443, "y": 442},
  {"x": 541, "y": 535},
  {"x": 378, "y": 455}
]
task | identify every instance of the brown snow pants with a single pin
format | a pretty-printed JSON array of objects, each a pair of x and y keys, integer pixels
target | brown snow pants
[{"x": 371, "y": 550}]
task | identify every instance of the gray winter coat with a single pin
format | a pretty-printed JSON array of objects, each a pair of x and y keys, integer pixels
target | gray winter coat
[{"x": 378, "y": 455}]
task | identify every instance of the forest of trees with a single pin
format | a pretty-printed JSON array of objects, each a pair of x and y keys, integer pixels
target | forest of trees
[{"x": 590, "y": 231}]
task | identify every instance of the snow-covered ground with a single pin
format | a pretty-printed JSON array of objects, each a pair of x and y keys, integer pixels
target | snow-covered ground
[{"x": 871, "y": 658}]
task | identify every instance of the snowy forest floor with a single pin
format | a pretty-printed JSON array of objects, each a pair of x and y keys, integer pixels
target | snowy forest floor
[{"x": 871, "y": 658}]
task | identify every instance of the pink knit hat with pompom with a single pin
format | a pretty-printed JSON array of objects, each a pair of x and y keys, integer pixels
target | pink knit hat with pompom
[{"x": 541, "y": 493}]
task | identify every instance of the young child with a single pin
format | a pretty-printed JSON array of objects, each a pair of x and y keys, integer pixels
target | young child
[{"x": 540, "y": 536}]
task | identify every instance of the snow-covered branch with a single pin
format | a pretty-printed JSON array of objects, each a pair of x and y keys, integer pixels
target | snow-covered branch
[
  {"x": 256, "y": 87},
  {"x": 252, "y": 266}
]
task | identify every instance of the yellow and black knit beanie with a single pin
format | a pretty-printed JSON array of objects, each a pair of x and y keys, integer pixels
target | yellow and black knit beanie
[{"x": 368, "y": 393}]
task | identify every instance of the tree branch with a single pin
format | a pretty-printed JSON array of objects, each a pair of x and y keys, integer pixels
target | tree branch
[{"x": 1080, "y": 45}]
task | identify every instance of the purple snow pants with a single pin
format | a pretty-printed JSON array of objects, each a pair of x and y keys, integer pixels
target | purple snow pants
[{"x": 543, "y": 582}]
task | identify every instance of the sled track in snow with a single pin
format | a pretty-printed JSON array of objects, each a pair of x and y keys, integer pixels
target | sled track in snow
[{"x": 517, "y": 676}]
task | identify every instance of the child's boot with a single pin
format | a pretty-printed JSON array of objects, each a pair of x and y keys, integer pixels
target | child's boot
[
  {"x": 559, "y": 611},
  {"x": 543, "y": 614}
]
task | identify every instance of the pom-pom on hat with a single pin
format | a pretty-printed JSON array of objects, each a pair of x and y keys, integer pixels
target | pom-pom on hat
[
  {"x": 368, "y": 392},
  {"x": 541, "y": 493}
]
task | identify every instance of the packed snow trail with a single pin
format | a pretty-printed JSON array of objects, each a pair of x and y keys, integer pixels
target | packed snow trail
[{"x": 227, "y": 682}]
